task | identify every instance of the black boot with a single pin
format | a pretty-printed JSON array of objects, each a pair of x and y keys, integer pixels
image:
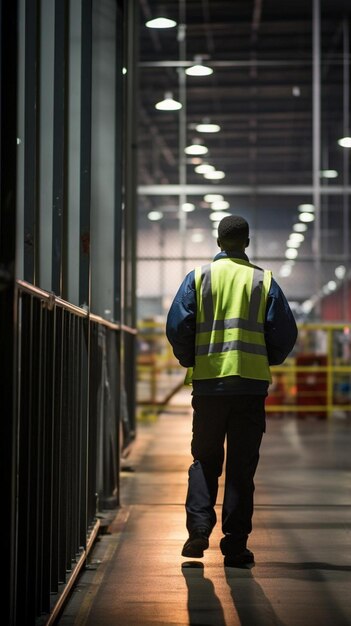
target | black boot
[
  {"x": 197, "y": 543},
  {"x": 241, "y": 559}
]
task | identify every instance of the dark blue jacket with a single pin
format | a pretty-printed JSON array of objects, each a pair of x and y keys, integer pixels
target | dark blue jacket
[{"x": 279, "y": 328}]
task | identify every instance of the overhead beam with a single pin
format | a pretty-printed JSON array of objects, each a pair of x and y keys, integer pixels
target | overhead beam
[
  {"x": 301, "y": 61},
  {"x": 239, "y": 190}
]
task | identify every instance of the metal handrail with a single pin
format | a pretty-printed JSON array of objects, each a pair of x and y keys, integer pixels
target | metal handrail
[
  {"x": 50, "y": 298},
  {"x": 71, "y": 433}
]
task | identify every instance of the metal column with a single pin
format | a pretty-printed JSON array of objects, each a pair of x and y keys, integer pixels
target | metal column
[
  {"x": 130, "y": 205},
  {"x": 182, "y": 131},
  {"x": 8, "y": 164},
  {"x": 84, "y": 238},
  {"x": 85, "y": 153},
  {"x": 346, "y": 162},
  {"x": 316, "y": 147},
  {"x": 31, "y": 141},
  {"x": 59, "y": 194},
  {"x": 119, "y": 116}
]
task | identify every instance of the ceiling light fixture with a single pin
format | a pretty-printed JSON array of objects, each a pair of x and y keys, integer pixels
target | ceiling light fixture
[
  {"x": 212, "y": 197},
  {"x": 306, "y": 207},
  {"x": 207, "y": 127},
  {"x": 340, "y": 272},
  {"x": 197, "y": 237},
  {"x": 216, "y": 175},
  {"x": 196, "y": 148},
  {"x": 296, "y": 237},
  {"x": 296, "y": 91},
  {"x": 168, "y": 104},
  {"x": 161, "y": 22},
  {"x": 329, "y": 173},
  {"x": 291, "y": 253},
  {"x": 285, "y": 271},
  {"x": 187, "y": 207},
  {"x": 300, "y": 228},
  {"x": 307, "y": 306},
  {"x": 218, "y": 215},
  {"x": 220, "y": 205},
  {"x": 345, "y": 142},
  {"x": 306, "y": 217},
  {"x": 204, "y": 168},
  {"x": 198, "y": 69},
  {"x": 154, "y": 216}
]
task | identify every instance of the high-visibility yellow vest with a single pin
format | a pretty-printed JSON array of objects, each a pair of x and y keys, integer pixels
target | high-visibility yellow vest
[{"x": 231, "y": 298}]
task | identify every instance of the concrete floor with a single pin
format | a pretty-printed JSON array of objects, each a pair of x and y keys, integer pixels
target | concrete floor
[{"x": 301, "y": 537}]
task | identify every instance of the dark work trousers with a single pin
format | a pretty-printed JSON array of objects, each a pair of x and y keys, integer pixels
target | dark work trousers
[{"x": 240, "y": 419}]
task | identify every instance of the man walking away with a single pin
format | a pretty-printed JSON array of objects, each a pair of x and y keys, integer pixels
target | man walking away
[{"x": 228, "y": 322}]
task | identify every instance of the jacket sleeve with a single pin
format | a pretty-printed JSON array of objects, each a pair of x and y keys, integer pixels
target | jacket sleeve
[
  {"x": 280, "y": 326},
  {"x": 181, "y": 322}
]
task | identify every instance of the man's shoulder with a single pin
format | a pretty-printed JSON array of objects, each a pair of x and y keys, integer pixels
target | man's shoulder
[
  {"x": 189, "y": 278},
  {"x": 188, "y": 285},
  {"x": 275, "y": 289}
]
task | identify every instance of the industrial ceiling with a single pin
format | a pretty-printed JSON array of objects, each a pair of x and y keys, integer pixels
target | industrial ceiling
[{"x": 279, "y": 91}]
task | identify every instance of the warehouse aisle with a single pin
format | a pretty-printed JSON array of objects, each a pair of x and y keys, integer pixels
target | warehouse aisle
[{"x": 301, "y": 537}]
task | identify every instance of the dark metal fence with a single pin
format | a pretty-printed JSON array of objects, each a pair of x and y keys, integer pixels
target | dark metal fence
[{"x": 71, "y": 430}]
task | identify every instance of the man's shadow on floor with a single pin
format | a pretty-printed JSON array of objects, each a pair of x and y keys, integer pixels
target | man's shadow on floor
[
  {"x": 249, "y": 600},
  {"x": 204, "y": 606}
]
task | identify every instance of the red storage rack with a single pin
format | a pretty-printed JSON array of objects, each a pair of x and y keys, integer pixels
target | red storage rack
[{"x": 311, "y": 386}]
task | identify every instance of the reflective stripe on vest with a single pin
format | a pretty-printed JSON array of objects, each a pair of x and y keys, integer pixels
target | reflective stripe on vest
[{"x": 231, "y": 302}]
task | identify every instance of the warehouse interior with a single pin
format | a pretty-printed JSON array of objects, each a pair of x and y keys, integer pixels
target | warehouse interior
[
  {"x": 244, "y": 109},
  {"x": 273, "y": 81},
  {"x": 130, "y": 128}
]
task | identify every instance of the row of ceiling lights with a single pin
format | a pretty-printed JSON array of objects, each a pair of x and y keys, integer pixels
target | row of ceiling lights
[
  {"x": 306, "y": 215},
  {"x": 197, "y": 147},
  {"x": 217, "y": 202},
  {"x": 328, "y": 288},
  {"x": 198, "y": 69}
]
